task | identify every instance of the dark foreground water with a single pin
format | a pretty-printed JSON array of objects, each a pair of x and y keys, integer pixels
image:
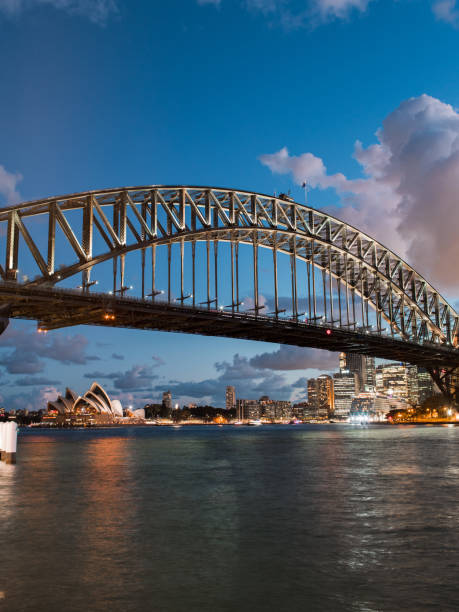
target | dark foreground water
[{"x": 274, "y": 518}]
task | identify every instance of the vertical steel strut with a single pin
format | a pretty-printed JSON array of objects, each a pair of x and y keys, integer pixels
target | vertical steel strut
[
  {"x": 276, "y": 296},
  {"x": 255, "y": 271}
]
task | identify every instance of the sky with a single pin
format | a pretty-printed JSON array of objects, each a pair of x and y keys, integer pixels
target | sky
[{"x": 358, "y": 97}]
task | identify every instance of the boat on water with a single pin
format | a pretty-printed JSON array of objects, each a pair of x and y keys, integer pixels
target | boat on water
[
  {"x": 238, "y": 423},
  {"x": 254, "y": 423}
]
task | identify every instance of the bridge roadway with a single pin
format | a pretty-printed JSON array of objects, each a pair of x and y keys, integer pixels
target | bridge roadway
[{"x": 59, "y": 308}]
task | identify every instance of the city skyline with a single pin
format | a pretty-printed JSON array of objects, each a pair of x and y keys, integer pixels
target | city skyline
[{"x": 280, "y": 150}]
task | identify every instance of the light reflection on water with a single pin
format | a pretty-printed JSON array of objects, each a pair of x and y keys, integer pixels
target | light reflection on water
[{"x": 208, "y": 519}]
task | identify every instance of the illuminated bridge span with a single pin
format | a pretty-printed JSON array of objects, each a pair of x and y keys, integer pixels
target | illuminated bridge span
[{"x": 220, "y": 262}]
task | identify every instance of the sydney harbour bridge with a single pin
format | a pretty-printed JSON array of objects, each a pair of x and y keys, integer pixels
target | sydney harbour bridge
[{"x": 220, "y": 262}]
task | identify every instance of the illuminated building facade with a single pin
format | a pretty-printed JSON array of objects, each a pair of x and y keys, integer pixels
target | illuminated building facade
[
  {"x": 426, "y": 386},
  {"x": 392, "y": 380},
  {"x": 345, "y": 386},
  {"x": 230, "y": 397},
  {"x": 264, "y": 408},
  {"x": 320, "y": 395},
  {"x": 167, "y": 400},
  {"x": 373, "y": 407},
  {"x": 363, "y": 366},
  {"x": 94, "y": 407}
]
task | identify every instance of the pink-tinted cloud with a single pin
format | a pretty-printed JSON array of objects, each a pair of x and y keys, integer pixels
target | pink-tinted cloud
[{"x": 407, "y": 198}]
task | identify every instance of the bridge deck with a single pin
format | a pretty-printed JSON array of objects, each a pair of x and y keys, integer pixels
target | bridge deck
[{"x": 55, "y": 309}]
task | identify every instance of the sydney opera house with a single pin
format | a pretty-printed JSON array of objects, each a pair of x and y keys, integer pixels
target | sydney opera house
[{"x": 93, "y": 408}]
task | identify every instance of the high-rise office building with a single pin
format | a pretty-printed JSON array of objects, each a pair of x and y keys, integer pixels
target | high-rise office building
[
  {"x": 426, "y": 386},
  {"x": 345, "y": 387},
  {"x": 363, "y": 366},
  {"x": 412, "y": 381},
  {"x": 320, "y": 395},
  {"x": 392, "y": 379},
  {"x": 230, "y": 398},
  {"x": 167, "y": 400}
]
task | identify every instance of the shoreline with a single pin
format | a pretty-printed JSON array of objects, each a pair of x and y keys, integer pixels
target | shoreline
[{"x": 241, "y": 425}]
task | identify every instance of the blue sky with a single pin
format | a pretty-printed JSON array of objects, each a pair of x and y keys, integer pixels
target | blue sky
[{"x": 111, "y": 93}]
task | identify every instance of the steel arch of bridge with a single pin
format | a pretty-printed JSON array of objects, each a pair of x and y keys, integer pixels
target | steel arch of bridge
[{"x": 354, "y": 267}]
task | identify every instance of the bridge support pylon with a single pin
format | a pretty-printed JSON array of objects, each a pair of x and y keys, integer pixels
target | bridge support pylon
[
  {"x": 447, "y": 380},
  {"x": 4, "y": 317}
]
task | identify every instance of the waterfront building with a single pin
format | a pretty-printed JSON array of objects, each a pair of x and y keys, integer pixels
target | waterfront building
[
  {"x": 302, "y": 410},
  {"x": 393, "y": 380},
  {"x": 135, "y": 413},
  {"x": 230, "y": 397},
  {"x": 374, "y": 407},
  {"x": 345, "y": 387},
  {"x": 320, "y": 395},
  {"x": 409, "y": 382},
  {"x": 167, "y": 401},
  {"x": 94, "y": 407},
  {"x": 264, "y": 408},
  {"x": 275, "y": 410},
  {"x": 247, "y": 409}
]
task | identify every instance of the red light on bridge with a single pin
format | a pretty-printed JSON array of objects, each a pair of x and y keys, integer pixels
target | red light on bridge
[{"x": 328, "y": 332}]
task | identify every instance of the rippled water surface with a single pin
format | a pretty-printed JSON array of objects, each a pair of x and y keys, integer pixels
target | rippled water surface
[{"x": 280, "y": 518}]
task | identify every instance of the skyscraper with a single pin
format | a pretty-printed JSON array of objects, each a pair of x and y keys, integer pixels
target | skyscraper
[
  {"x": 363, "y": 366},
  {"x": 320, "y": 395},
  {"x": 426, "y": 386},
  {"x": 167, "y": 400},
  {"x": 345, "y": 387},
  {"x": 413, "y": 384},
  {"x": 392, "y": 379},
  {"x": 230, "y": 398}
]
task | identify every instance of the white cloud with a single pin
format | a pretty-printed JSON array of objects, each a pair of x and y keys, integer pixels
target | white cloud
[
  {"x": 97, "y": 11},
  {"x": 446, "y": 10},
  {"x": 8, "y": 186},
  {"x": 309, "y": 13},
  {"x": 291, "y": 14},
  {"x": 407, "y": 198},
  {"x": 338, "y": 9}
]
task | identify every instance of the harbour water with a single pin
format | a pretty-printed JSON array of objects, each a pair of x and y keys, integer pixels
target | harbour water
[{"x": 270, "y": 518}]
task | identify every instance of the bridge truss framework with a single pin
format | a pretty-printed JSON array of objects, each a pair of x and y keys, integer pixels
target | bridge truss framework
[{"x": 358, "y": 295}]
